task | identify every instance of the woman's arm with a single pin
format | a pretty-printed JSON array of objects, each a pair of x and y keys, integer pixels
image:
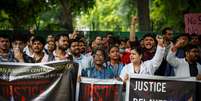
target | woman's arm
[{"x": 158, "y": 57}]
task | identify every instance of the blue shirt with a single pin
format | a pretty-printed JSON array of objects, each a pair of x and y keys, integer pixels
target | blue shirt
[
  {"x": 116, "y": 69},
  {"x": 9, "y": 57},
  {"x": 92, "y": 72}
]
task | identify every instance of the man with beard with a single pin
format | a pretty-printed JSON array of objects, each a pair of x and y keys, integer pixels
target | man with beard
[
  {"x": 187, "y": 66},
  {"x": 82, "y": 47},
  {"x": 5, "y": 52},
  {"x": 60, "y": 52},
  {"x": 39, "y": 55},
  {"x": 165, "y": 68},
  {"x": 83, "y": 61}
]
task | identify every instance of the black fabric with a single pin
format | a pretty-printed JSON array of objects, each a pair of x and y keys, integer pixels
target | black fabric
[
  {"x": 161, "y": 70},
  {"x": 193, "y": 69}
]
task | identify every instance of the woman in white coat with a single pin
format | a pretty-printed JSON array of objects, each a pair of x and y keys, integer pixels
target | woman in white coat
[{"x": 137, "y": 66}]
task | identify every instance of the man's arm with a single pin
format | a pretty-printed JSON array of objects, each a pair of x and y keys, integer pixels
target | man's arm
[{"x": 132, "y": 29}]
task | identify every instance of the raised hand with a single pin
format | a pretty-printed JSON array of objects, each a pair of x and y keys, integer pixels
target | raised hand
[
  {"x": 179, "y": 43},
  {"x": 18, "y": 54},
  {"x": 198, "y": 77},
  {"x": 160, "y": 40},
  {"x": 134, "y": 20}
]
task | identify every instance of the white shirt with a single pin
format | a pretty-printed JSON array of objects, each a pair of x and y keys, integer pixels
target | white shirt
[
  {"x": 181, "y": 66},
  {"x": 146, "y": 67},
  {"x": 83, "y": 61},
  {"x": 27, "y": 51}
]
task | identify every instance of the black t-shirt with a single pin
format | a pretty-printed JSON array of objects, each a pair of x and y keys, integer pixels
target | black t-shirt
[{"x": 193, "y": 69}]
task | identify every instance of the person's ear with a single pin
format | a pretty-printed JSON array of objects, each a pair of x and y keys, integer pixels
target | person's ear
[
  {"x": 186, "y": 53},
  {"x": 56, "y": 43}
]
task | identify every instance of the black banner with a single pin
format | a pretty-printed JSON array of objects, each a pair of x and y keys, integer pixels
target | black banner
[
  {"x": 100, "y": 90},
  {"x": 155, "y": 88},
  {"x": 54, "y": 81}
]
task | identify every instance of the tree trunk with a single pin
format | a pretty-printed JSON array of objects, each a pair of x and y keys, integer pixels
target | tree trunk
[
  {"x": 143, "y": 14},
  {"x": 67, "y": 19}
]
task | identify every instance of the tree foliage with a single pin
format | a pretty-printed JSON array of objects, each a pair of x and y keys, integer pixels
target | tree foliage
[
  {"x": 171, "y": 13},
  {"x": 104, "y": 15},
  {"x": 21, "y": 14},
  {"x": 108, "y": 15}
]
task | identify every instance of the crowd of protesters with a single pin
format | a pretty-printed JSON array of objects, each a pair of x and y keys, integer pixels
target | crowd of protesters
[{"x": 108, "y": 57}]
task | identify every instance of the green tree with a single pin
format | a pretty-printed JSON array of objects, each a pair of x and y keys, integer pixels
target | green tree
[
  {"x": 108, "y": 15},
  {"x": 21, "y": 14},
  {"x": 171, "y": 13}
]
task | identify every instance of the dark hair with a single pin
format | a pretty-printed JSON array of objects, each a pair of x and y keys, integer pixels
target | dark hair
[
  {"x": 184, "y": 34},
  {"x": 148, "y": 35},
  {"x": 190, "y": 46},
  {"x": 19, "y": 37},
  {"x": 40, "y": 39},
  {"x": 180, "y": 35},
  {"x": 112, "y": 46},
  {"x": 82, "y": 41},
  {"x": 194, "y": 35},
  {"x": 72, "y": 40},
  {"x": 103, "y": 51},
  {"x": 165, "y": 29},
  {"x": 139, "y": 50},
  {"x": 58, "y": 36},
  {"x": 5, "y": 36}
]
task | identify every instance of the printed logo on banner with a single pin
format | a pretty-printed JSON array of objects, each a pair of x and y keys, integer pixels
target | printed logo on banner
[{"x": 38, "y": 82}]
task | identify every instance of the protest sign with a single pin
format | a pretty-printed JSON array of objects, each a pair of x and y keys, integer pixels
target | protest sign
[
  {"x": 55, "y": 81},
  {"x": 193, "y": 23},
  {"x": 100, "y": 90},
  {"x": 155, "y": 88}
]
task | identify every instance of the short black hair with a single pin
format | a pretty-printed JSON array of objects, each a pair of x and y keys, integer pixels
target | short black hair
[
  {"x": 190, "y": 46},
  {"x": 39, "y": 38},
  {"x": 139, "y": 50},
  {"x": 58, "y": 36},
  {"x": 183, "y": 34},
  {"x": 73, "y": 40},
  {"x": 19, "y": 37},
  {"x": 112, "y": 46},
  {"x": 82, "y": 41},
  {"x": 165, "y": 29},
  {"x": 5, "y": 36},
  {"x": 103, "y": 51},
  {"x": 149, "y": 35}
]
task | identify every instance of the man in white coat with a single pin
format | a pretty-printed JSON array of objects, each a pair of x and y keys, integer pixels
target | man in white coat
[{"x": 187, "y": 66}]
